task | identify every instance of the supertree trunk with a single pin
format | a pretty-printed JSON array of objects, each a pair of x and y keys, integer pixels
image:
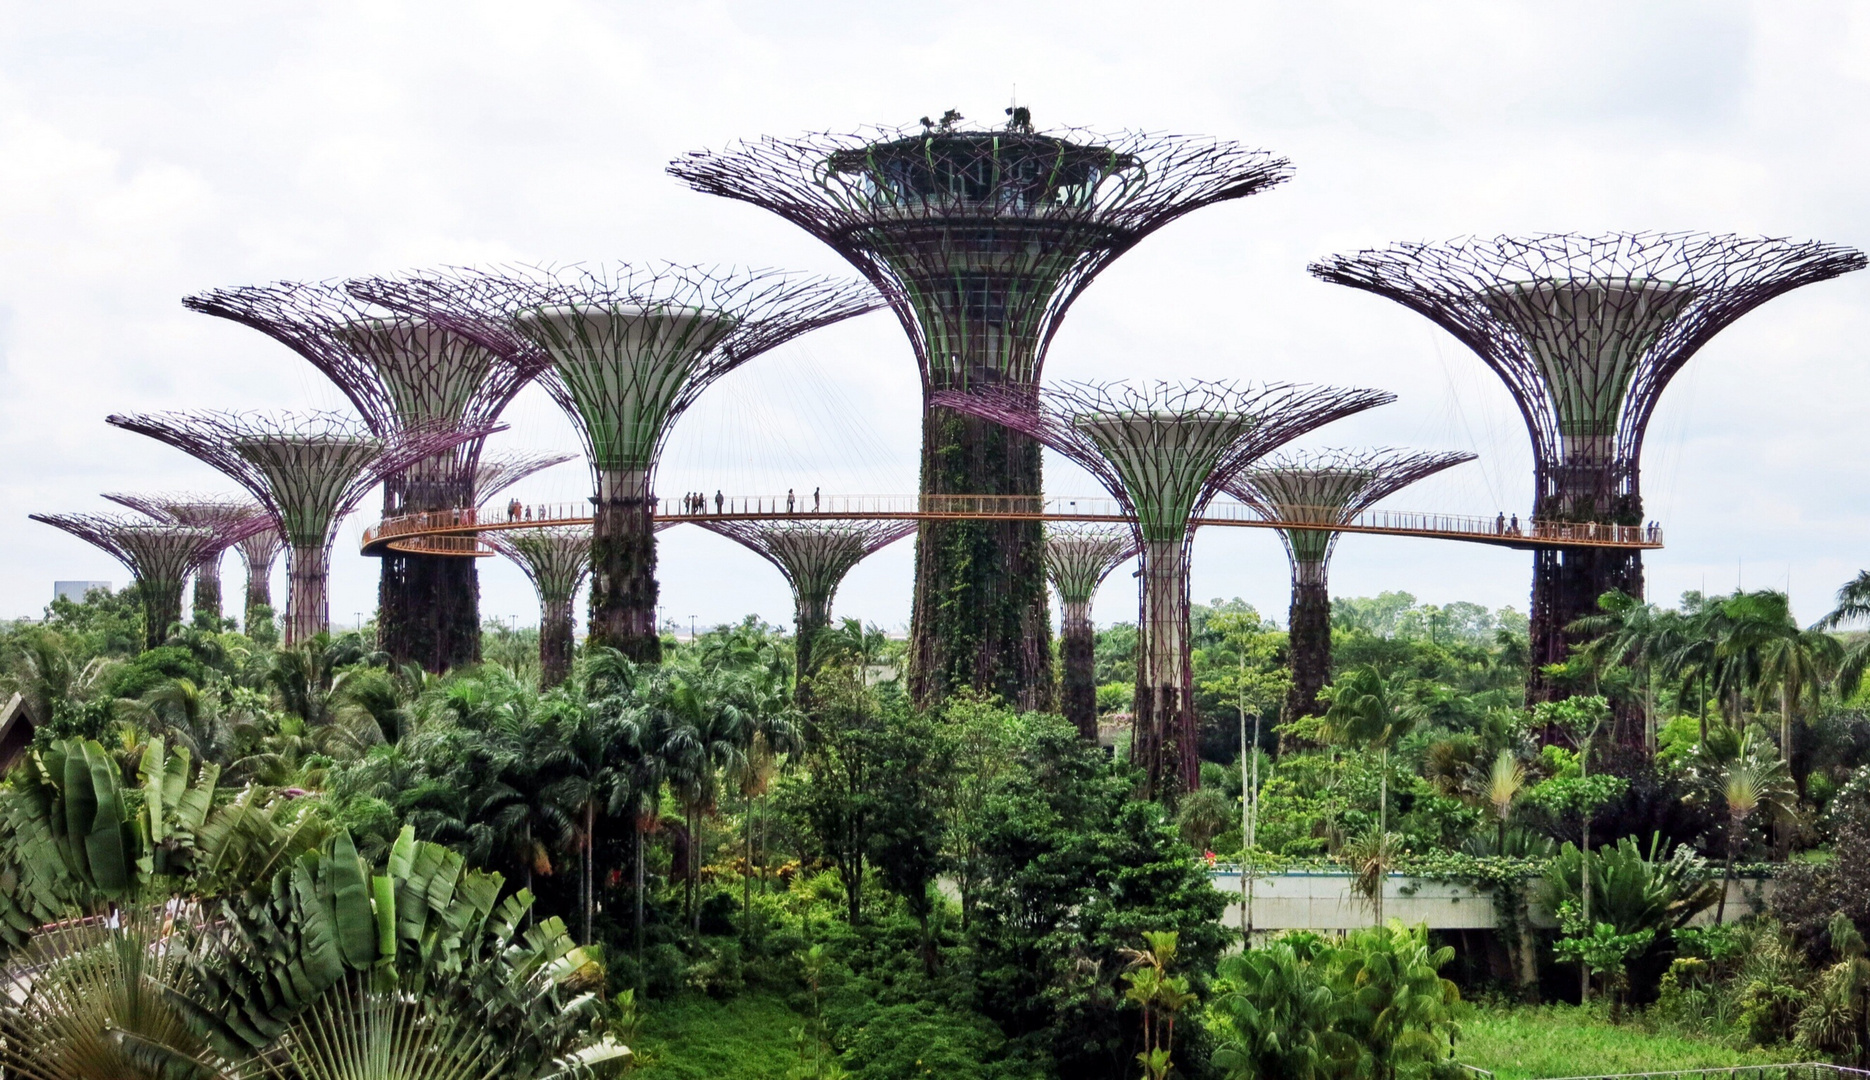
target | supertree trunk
[
  {"x": 1077, "y": 647},
  {"x": 162, "y": 608},
  {"x": 1309, "y": 642},
  {"x": 980, "y": 619},
  {"x": 623, "y": 568},
  {"x": 1164, "y": 721},
  {"x": 259, "y": 594},
  {"x": 555, "y": 641},
  {"x": 810, "y": 616},
  {"x": 1566, "y": 585},
  {"x": 207, "y": 607},
  {"x": 428, "y": 606},
  {"x": 308, "y": 602}
]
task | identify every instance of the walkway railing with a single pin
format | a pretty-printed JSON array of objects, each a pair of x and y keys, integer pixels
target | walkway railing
[{"x": 1494, "y": 530}]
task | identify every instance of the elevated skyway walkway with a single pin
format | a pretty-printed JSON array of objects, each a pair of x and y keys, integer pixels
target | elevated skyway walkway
[{"x": 452, "y": 532}]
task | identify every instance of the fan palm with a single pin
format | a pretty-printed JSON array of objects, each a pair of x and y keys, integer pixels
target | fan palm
[
  {"x": 1752, "y": 780},
  {"x": 1501, "y": 786}
]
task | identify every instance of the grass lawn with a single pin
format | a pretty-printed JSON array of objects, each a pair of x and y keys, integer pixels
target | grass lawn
[
  {"x": 1563, "y": 1040},
  {"x": 699, "y": 1038}
]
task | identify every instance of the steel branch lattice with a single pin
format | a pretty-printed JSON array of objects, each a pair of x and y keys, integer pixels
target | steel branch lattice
[
  {"x": 981, "y": 240},
  {"x": 309, "y": 470},
  {"x": 159, "y": 554},
  {"x": 1586, "y": 331},
  {"x": 1079, "y": 556},
  {"x": 1330, "y": 487},
  {"x": 492, "y": 475}
]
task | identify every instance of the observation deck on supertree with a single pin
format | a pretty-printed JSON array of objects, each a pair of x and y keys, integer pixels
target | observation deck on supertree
[
  {"x": 629, "y": 350},
  {"x": 309, "y": 470},
  {"x": 1078, "y": 557},
  {"x": 158, "y": 554},
  {"x": 1329, "y": 487},
  {"x": 1164, "y": 451},
  {"x": 1586, "y": 331},
  {"x": 814, "y": 556},
  {"x": 557, "y": 560},
  {"x": 233, "y": 520},
  {"x": 402, "y": 374},
  {"x": 981, "y": 240}
]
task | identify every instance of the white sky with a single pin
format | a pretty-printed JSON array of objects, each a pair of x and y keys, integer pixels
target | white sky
[{"x": 148, "y": 150}]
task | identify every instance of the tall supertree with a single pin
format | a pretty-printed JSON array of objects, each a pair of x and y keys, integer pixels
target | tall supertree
[
  {"x": 630, "y": 350},
  {"x": 1329, "y": 487},
  {"x": 1163, "y": 451},
  {"x": 814, "y": 556},
  {"x": 495, "y": 473},
  {"x": 1586, "y": 331},
  {"x": 981, "y": 240},
  {"x": 1078, "y": 557},
  {"x": 257, "y": 553},
  {"x": 557, "y": 559},
  {"x": 309, "y": 470},
  {"x": 403, "y": 374},
  {"x": 158, "y": 555},
  {"x": 232, "y": 518}
]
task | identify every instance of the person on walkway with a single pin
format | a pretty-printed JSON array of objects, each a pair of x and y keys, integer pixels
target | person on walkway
[
  {"x": 512, "y": 510},
  {"x": 718, "y": 500},
  {"x": 1499, "y": 523},
  {"x": 815, "y": 492},
  {"x": 1513, "y": 528},
  {"x": 789, "y": 501}
]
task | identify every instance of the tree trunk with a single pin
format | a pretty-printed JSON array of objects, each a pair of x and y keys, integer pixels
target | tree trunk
[
  {"x": 556, "y": 645},
  {"x": 308, "y": 606},
  {"x": 1734, "y": 835},
  {"x": 637, "y": 857},
  {"x": 590, "y": 828},
  {"x": 1164, "y": 713},
  {"x": 1565, "y": 586},
  {"x": 746, "y": 878},
  {"x": 162, "y": 608},
  {"x": 810, "y": 617},
  {"x": 207, "y": 605},
  {"x": 980, "y": 618},
  {"x": 1309, "y": 643},
  {"x": 1077, "y": 647},
  {"x": 259, "y": 594},
  {"x": 428, "y": 606},
  {"x": 623, "y": 568}
]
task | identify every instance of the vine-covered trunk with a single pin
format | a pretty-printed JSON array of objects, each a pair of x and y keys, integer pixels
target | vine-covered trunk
[
  {"x": 1077, "y": 648},
  {"x": 162, "y": 608},
  {"x": 428, "y": 606},
  {"x": 1566, "y": 582},
  {"x": 1164, "y": 715},
  {"x": 623, "y": 567},
  {"x": 980, "y": 620},
  {"x": 1309, "y": 637},
  {"x": 259, "y": 594},
  {"x": 207, "y": 607},
  {"x": 308, "y": 604},
  {"x": 555, "y": 641},
  {"x": 810, "y": 616}
]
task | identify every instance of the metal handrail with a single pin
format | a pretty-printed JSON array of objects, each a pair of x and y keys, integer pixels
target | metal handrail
[{"x": 1495, "y": 530}]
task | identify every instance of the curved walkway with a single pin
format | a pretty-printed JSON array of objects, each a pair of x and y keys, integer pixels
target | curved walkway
[{"x": 451, "y": 532}]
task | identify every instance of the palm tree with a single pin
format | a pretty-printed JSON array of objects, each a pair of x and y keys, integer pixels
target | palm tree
[
  {"x": 1500, "y": 786},
  {"x": 707, "y": 731},
  {"x": 1365, "y": 712},
  {"x": 1637, "y": 636},
  {"x": 1796, "y": 666},
  {"x": 1743, "y": 785},
  {"x": 1853, "y": 607}
]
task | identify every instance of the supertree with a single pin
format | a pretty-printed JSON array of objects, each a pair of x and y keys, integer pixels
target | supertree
[
  {"x": 814, "y": 556},
  {"x": 630, "y": 350},
  {"x": 557, "y": 560},
  {"x": 495, "y": 473},
  {"x": 1329, "y": 487},
  {"x": 403, "y": 374},
  {"x": 1586, "y": 331},
  {"x": 981, "y": 240},
  {"x": 232, "y": 518},
  {"x": 1078, "y": 557},
  {"x": 158, "y": 555},
  {"x": 257, "y": 553},
  {"x": 1163, "y": 451},
  {"x": 309, "y": 470}
]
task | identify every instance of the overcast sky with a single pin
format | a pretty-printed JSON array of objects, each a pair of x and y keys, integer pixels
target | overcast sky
[{"x": 149, "y": 150}]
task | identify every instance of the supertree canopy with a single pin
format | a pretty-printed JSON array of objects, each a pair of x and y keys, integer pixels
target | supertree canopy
[
  {"x": 257, "y": 553},
  {"x": 158, "y": 554},
  {"x": 1164, "y": 451},
  {"x": 309, "y": 470},
  {"x": 495, "y": 473},
  {"x": 233, "y": 519},
  {"x": 1329, "y": 487},
  {"x": 1586, "y": 331},
  {"x": 981, "y": 240},
  {"x": 1078, "y": 557},
  {"x": 630, "y": 350},
  {"x": 403, "y": 374},
  {"x": 814, "y": 556},
  {"x": 557, "y": 560}
]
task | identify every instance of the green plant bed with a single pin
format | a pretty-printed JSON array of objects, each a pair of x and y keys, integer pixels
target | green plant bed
[
  {"x": 1528, "y": 1042},
  {"x": 747, "y": 1037}
]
